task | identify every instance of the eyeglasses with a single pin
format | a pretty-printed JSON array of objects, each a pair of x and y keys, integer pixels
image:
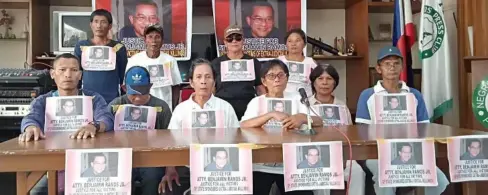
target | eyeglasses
[
  {"x": 273, "y": 76},
  {"x": 231, "y": 38},
  {"x": 259, "y": 20},
  {"x": 391, "y": 64},
  {"x": 142, "y": 18}
]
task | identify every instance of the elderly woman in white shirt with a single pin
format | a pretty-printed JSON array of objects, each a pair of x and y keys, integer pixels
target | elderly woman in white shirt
[
  {"x": 202, "y": 80},
  {"x": 325, "y": 79},
  {"x": 274, "y": 76}
]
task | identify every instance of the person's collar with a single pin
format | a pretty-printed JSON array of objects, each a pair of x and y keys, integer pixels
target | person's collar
[
  {"x": 379, "y": 87},
  {"x": 56, "y": 93},
  {"x": 210, "y": 102},
  {"x": 314, "y": 101}
]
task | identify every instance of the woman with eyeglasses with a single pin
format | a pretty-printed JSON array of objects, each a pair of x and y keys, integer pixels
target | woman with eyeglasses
[
  {"x": 324, "y": 80},
  {"x": 274, "y": 107},
  {"x": 300, "y": 66},
  {"x": 237, "y": 91}
]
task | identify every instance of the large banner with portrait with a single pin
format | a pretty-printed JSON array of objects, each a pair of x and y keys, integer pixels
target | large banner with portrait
[
  {"x": 130, "y": 17},
  {"x": 468, "y": 158},
  {"x": 264, "y": 23}
]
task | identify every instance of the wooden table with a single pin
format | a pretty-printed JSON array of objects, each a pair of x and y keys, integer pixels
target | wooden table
[{"x": 171, "y": 147}]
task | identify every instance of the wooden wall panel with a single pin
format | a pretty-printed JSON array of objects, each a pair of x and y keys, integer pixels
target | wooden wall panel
[
  {"x": 357, "y": 74},
  {"x": 39, "y": 28}
]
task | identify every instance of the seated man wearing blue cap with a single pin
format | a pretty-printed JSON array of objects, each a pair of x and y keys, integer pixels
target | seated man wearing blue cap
[
  {"x": 389, "y": 66},
  {"x": 137, "y": 87}
]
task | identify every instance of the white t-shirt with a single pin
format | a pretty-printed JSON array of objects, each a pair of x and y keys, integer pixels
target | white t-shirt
[
  {"x": 184, "y": 110},
  {"x": 252, "y": 111},
  {"x": 164, "y": 93},
  {"x": 292, "y": 86}
]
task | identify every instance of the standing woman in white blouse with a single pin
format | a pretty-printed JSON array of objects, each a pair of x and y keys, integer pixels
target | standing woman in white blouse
[
  {"x": 202, "y": 80},
  {"x": 274, "y": 76},
  {"x": 299, "y": 65}
]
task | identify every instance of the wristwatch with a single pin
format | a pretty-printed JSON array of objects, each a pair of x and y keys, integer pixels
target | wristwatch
[{"x": 96, "y": 124}]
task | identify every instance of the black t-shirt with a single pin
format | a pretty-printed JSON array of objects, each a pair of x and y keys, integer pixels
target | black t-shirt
[{"x": 240, "y": 90}]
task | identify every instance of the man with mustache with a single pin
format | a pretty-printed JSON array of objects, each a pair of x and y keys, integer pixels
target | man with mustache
[
  {"x": 153, "y": 38},
  {"x": 66, "y": 73},
  {"x": 261, "y": 22}
]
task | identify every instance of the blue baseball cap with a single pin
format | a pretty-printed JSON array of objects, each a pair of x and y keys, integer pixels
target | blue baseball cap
[
  {"x": 389, "y": 51},
  {"x": 137, "y": 81}
]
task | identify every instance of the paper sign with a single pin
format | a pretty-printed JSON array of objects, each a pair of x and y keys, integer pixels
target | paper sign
[
  {"x": 395, "y": 108},
  {"x": 98, "y": 58},
  {"x": 160, "y": 75},
  {"x": 407, "y": 162},
  {"x": 332, "y": 114},
  {"x": 220, "y": 169},
  {"x": 299, "y": 72},
  {"x": 309, "y": 166},
  {"x": 204, "y": 119},
  {"x": 237, "y": 70},
  {"x": 68, "y": 113},
  {"x": 131, "y": 117},
  {"x": 468, "y": 158},
  {"x": 284, "y": 105},
  {"x": 98, "y": 171}
]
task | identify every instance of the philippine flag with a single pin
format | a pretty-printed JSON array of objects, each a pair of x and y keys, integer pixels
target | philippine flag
[{"x": 404, "y": 37}]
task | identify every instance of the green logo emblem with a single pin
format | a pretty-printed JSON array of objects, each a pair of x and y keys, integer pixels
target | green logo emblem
[
  {"x": 480, "y": 102},
  {"x": 433, "y": 31}
]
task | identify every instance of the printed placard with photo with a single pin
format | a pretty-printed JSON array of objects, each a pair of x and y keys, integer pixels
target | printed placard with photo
[
  {"x": 237, "y": 70},
  {"x": 332, "y": 114},
  {"x": 284, "y": 105},
  {"x": 406, "y": 162},
  {"x": 221, "y": 169},
  {"x": 309, "y": 166},
  {"x": 68, "y": 113},
  {"x": 395, "y": 108},
  {"x": 206, "y": 118},
  {"x": 468, "y": 158},
  {"x": 98, "y": 171},
  {"x": 98, "y": 58},
  {"x": 131, "y": 117},
  {"x": 160, "y": 75},
  {"x": 299, "y": 72}
]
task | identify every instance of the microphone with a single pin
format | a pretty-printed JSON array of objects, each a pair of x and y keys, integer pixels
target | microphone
[{"x": 304, "y": 99}]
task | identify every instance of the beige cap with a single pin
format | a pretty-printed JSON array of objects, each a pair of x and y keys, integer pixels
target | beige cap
[{"x": 233, "y": 29}]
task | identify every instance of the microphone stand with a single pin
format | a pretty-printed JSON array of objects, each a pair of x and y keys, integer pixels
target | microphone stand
[{"x": 309, "y": 130}]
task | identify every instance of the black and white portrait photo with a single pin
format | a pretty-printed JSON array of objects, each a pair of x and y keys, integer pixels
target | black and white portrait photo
[
  {"x": 238, "y": 66},
  {"x": 313, "y": 156},
  {"x": 156, "y": 70},
  {"x": 394, "y": 103},
  {"x": 406, "y": 153},
  {"x": 295, "y": 68},
  {"x": 99, "y": 53},
  {"x": 330, "y": 113},
  {"x": 473, "y": 149},
  {"x": 99, "y": 164},
  {"x": 69, "y": 107},
  {"x": 221, "y": 159},
  {"x": 280, "y": 106},
  {"x": 202, "y": 119},
  {"x": 135, "y": 114}
]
